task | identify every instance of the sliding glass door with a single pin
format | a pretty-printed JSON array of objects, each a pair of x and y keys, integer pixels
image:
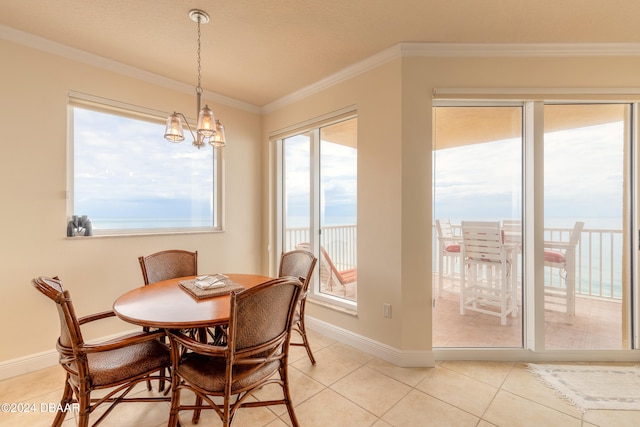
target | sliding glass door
[
  {"x": 586, "y": 226},
  {"x": 583, "y": 283},
  {"x": 477, "y": 178}
]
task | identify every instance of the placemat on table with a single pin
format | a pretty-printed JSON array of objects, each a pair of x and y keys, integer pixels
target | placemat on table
[{"x": 198, "y": 293}]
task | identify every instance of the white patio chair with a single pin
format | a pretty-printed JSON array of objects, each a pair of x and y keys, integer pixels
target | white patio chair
[
  {"x": 448, "y": 256},
  {"x": 512, "y": 232},
  {"x": 561, "y": 255},
  {"x": 512, "y": 237},
  {"x": 487, "y": 286}
]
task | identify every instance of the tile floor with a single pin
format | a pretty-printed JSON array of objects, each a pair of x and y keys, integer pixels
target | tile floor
[{"x": 350, "y": 388}]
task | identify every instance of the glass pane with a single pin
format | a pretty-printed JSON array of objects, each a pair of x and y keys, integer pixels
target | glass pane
[
  {"x": 297, "y": 192},
  {"x": 127, "y": 176},
  {"x": 477, "y": 162},
  {"x": 585, "y": 153},
  {"x": 338, "y": 209}
]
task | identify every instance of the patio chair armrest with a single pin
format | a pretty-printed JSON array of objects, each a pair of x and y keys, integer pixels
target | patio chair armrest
[
  {"x": 557, "y": 245},
  {"x": 96, "y": 316},
  {"x": 123, "y": 341},
  {"x": 197, "y": 346}
]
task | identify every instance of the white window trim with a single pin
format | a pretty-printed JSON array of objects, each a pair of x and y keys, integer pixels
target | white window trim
[
  {"x": 530, "y": 100},
  {"x": 276, "y": 138},
  {"x": 79, "y": 99}
]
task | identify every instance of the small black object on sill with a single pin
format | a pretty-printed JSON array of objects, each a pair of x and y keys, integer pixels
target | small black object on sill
[{"x": 79, "y": 226}]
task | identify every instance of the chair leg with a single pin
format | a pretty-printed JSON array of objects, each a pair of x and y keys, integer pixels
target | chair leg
[
  {"x": 85, "y": 402},
  {"x": 463, "y": 286},
  {"x": 504, "y": 292},
  {"x": 174, "y": 420},
  {"x": 196, "y": 412},
  {"x": 202, "y": 336},
  {"x": 570, "y": 287},
  {"x": 284, "y": 375},
  {"x": 440, "y": 270},
  {"x": 227, "y": 415},
  {"x": 67, "y": 398},
  {"x": 161, "y": 381},
  {"x": 303, "y": 333}
]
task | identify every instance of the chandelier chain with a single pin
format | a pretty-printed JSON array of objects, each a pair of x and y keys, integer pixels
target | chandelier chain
[
  {"x": 199, "y": 88},
  {"x": 208, "y": 128}
]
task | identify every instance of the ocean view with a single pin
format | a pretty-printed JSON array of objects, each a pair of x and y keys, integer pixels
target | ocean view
[{"x": 137, "y": 223}]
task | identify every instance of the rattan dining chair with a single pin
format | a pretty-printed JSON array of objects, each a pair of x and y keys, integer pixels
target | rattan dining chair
[
  {"x": 165, "y": 265},
  {"x": 169, "y": 264},
  {"x": 255, "y": 355},
  {"x": 112, "y": 367},
  {"x": 299, "y": 263}
]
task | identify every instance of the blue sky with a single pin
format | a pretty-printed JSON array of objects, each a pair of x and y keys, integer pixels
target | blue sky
[{"x": 583, "y": 176}]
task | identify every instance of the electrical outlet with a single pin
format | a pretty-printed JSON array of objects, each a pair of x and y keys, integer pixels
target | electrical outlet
[{"x": 386, "y": 310}]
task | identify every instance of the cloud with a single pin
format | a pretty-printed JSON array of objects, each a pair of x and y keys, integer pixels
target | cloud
[
  {"x": 127, "y": 164},
  {"x": 338, "y": 180},
  {"x": 583, "y": 175}
]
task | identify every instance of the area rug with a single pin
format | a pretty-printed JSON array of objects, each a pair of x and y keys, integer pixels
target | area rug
[{"x": 593, "y": 387}]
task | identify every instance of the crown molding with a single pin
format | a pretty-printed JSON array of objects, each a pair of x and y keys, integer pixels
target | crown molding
[
  {"x": 428, "y": 49},
  {"x": 400, "y": 50},
  {"x": 520, "y": 49},
  {"x": 363, "y": 66},
  {"x": 54, "y": 48}
]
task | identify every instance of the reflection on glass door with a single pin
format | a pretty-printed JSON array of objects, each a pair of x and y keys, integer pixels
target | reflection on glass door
[
  {"x": 477, "y": 211},
  {"x": 586, "y": 281},
  {"x": 338, "y": 209},
  {"x": 296, "y": 192},
  {"x": 320, "y": 204}
]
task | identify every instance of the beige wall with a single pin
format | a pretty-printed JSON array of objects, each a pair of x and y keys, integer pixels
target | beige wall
[
  {"x": 393, "y": 203},
  {"x": 33, "y": 100},
  {"x": 394, "y": 171},
  {"x": 394, "y": 166},
  {"x": 377, "y": 98}
]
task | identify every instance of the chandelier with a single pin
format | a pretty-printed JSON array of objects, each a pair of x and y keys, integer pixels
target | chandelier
[{"x": 208, "y": 129}]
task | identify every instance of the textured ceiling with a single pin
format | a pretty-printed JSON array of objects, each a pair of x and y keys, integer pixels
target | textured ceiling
[{"x": 258, "y": 51}]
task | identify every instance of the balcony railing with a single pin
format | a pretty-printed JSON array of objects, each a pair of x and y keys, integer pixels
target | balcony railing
[
  {"x": 340, "y": 242},
  {"x": 598, "y": 261},
  {"x": 598, "y": 255}
]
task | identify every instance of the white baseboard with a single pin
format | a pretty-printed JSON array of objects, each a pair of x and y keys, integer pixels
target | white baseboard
[
  {"x": 401, "y": 358},
  {"x": 35, "y": 362},
  {"x": 406, "y": 359},
  {"x": 31, "y": 363}
]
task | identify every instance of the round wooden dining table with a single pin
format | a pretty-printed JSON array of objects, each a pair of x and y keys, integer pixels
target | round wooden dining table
[{"x": 167, "y": 305}]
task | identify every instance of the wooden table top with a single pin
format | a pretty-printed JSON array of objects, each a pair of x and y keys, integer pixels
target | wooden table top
[{"x": 166, "y": 305}]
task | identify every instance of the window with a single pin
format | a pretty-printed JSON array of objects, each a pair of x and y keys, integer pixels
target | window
[
  {"x": 127, "y": 179},
  {"x": 319, "y": 203}
]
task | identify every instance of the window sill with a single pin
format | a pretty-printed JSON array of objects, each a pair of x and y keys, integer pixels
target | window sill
[
  {"x": 141, "y": 233},
  {"x": 335, "y": 306}
]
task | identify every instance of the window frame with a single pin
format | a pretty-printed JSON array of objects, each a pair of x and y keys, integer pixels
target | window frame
[
  {"x": 129, "y": 111},
  {"x": 533, "y": 102},
  {"x": 277, "y": 139}
]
